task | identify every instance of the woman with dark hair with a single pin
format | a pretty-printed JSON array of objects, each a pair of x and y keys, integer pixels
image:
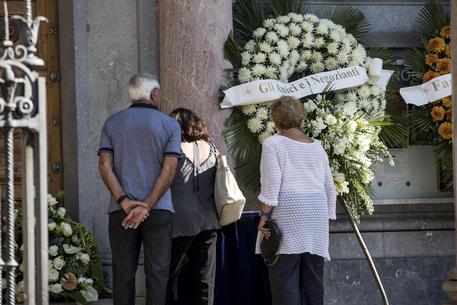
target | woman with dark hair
[{"x": 195, "y": 220}]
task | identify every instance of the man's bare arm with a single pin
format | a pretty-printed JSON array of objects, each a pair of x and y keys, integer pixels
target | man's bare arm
[{"x": 105, "y": 167}]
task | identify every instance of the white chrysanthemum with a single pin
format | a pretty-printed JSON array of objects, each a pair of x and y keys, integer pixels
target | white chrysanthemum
[
  {"x": 318, "y": 125},
  {"x": 248, "y": 109},
  {"x": 296, "y": 17},
  {"x": 258, "y": 33},
  {"x": 340, "y": 147},
  {"x": 283, "y": 19},
  {"x": 250, "y": 46},
  {"x": 336, "y": 36},
  {"x": 255, "y": 125},
  {"x": 282, "y": 30},
  {"x": 319, "y": 42},
  {"x": 262, "y": 113},
  {"x": 375, "y": 90},
  {"x": 245, "y": 58},
  {"x": 316, "y": 56},
  {"x": 308, "y": 40},
  {"x": 310, "y": 106},
  {"x": 275, "y": 58},
  {"x": 330, "y": 120},
  {"x": 269, "y": 23},
  {"x": 306, "y": 55},
  {"x": 349, "y": 108},
  {"x": 293, "y": 42},
  {"x": 311, "y": 17},
  {"x": 283, "y": 48},
  {"x": 322, "y": 29},
  {"x": 270, "y": 128},
  {"x": 340, "y": 97},
  {"x": 302, "y": 65},
  {"x": 265, "y": 47},
  {"x": 271, "y": 37},
  {"x": 244, "y": 75},
  {"x": 351, "y": 126},
  {"x": 364, "y": 104},
  {"x": 358, "y": 55},
  {"x": 271, "y": 72},
  {"x": 346, "y": 45},
  {"x": 307, "y": 27},
  {"x": 332, "y": 48},
  {"x": 352, "y": 38},
  {"x": 263, "y": 136},
  {"x": 331, "y": 63},
  {"x": 259, "y": 58},
  {"x": 364, "y": 91},
  {"x": 294, "y": 57},
  {"x": 295, "y": 29},
  {"x": 258, "y": 70},
  {"x": 342, "y": 57},
  {"x": 351, "y": 96},
  {"x": 317, "y": 67}
]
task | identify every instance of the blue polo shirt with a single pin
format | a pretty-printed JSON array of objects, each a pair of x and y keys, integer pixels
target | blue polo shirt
[{"x": 139, "y": 138}]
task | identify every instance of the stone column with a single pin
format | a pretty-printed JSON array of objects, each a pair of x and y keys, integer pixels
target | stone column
[
  {"x": 450, "y": 286},
  {"x": 192, "y": 36}
]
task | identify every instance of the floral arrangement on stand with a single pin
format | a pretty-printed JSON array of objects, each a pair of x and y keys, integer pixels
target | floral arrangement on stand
[
  {"x": 75, "y": 271},
  {"x": 349, "y": 123},
  {"x": 424, "y": 64}
]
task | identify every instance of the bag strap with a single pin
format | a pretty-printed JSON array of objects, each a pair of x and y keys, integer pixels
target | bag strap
[{"x": 196, "y": 157}]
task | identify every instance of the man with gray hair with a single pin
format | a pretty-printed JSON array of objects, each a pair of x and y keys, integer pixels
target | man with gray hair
[{"x": 139, "y": 151}]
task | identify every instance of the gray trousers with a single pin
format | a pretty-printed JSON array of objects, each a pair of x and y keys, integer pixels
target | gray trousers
[
  {"x": 155, "y": 235},
  {"x": 297, "y": 279}
]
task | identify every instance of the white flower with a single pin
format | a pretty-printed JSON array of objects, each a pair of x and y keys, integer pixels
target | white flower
[
  {"x": 352, "y": 126},
  {"x": 51, "y": 226},
  {"x": 349, "y": 108},
  {"x": 342, "y": 187},
  {"x": 270, "y": 128},
  {"x": 316, "y": 56},
  {"x": 51, "y": 200},
  {"x": 259, "y": 58},
  {"x": 347, "y": 44},
  {"x": 351, "y": 96},
  {"x": 258, "y": 70},
  {"x": 359, "y": 54},
  {"x": 340, "y": 147},
  {"x": 293, "y": 42},
  {"x": 331, "y": 63},
  {"x": 269, "y": 23},
  {"x": 244, "y": 75},
  {"x": 55, "y": 288},
  {"x": 282, "y": 30},
  {"x": 271, "y": 72},
  {"x": 250, "y": 45},
  {"x": 336, "y": 36},
  {"x": 275, "y": 58},
  {"x": 283, "y": 19},
  {"x": 258, "y": 33},
  {"x": 255, "y": 125},
  {"x": 342, "y": 57},
  {"x": 66, "y": 229},
  {"x": 311, "y": 17},
  {"x": 22, "y": 267},
  {"x": 283, "y": 48},
  {"x": 330, "y": 120},
  {"x": 305, "y": 55},
  {"x": 265, "y": 47},
  {"x": 301, "y": 66},
  {"x": 53, "y": 275},
  {"x": 375, "y": 90},
  {"x": 61, "y": 212},
  {"x": 262, "y": 113},
  {"x": 248, "y": 109},
  {"x": 245, "y": 58},
  {"x": 58, "y": 262},
  {"x": 294, "y": 57},
  {"x": 307, "y": 26},
  {"x": 296, "y": 17},
  {"x": 295, "y": 29},
  {"x": 75, "y": 239},
  {"x": 317, "y": 67},
  {"x": 318, "y": 125},
  {"x": 364, "y": 104},
  {"x": 84, "y": 258},
  {"x": 308, "y": 40},
  {"x": 70, "y": 249},
  {"x": 263, "y": 136},
  {"x": 332, "y": 48},
  {"x": 53, "y": 250},
  {"x": 364, "y": 91},
  {"x": 271, "y": 37},
  {"x": 310, "y": 106},
  {"x": 338, "y": 177},
  {"x": 322, "y": 29}
]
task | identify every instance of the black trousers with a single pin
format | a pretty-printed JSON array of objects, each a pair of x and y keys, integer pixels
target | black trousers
[
  {"x": 297, "y": 279},
  {"x": 155, "y": 235},
  {"x": 199, "y": 252}
]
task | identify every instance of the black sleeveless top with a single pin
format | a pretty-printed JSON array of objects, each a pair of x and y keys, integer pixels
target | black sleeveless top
[{"x": 193, "y": 194}]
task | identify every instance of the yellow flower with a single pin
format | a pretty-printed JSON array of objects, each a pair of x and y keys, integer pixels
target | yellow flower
[
  {"x": 436, "y": 45},
  {"x": 429, "y": 75},
  {"x": 444, "y": 66},
  {"x": 447, "y": 102},
  {"x": 438, "y": 113},
  {"x": 448, "y": 50},
  {"x": 449, "y": 115},
  {"x": 446, "y": 32},
  {"x": 445, "y": 130},
  {"x": 431, "y": 59}
]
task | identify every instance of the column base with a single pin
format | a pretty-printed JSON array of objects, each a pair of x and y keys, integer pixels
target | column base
[{"x": 450, "y": 287}]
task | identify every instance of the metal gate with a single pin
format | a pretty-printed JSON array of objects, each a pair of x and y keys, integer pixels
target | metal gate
[{"x": 23, "y": 108}]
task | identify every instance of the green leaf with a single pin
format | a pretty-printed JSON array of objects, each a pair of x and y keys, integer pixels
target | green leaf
[
  {"x": 76, "y": 296},
  {"x": 432, "y": 18},
  {"x": 414, "y": 61},
  {"x": 419, "y": 120},
  {"x": 248, "y": 15},
  {"x": 396, "y": 132},
  {"x": 352, "y": 19},
  {"x": 385, "y": 54},
  {"x": 232, "y": 52},
  {"x": 249, "y": 173},
  {"x": 284, "y": 7}
]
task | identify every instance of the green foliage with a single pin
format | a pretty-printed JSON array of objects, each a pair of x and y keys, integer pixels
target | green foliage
[
  {"x": 232, "y": 51},
  {"x": 284, "y": 7},
  {"x": 432, "y": 18},
  {"x": 248, "y": 15},
  {"x": 352, "y": 19}
]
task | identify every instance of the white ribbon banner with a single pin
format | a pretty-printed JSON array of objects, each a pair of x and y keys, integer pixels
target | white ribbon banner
[
  {"x": 431, "y": 91},
  {"x": 261, "y": 91}
]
